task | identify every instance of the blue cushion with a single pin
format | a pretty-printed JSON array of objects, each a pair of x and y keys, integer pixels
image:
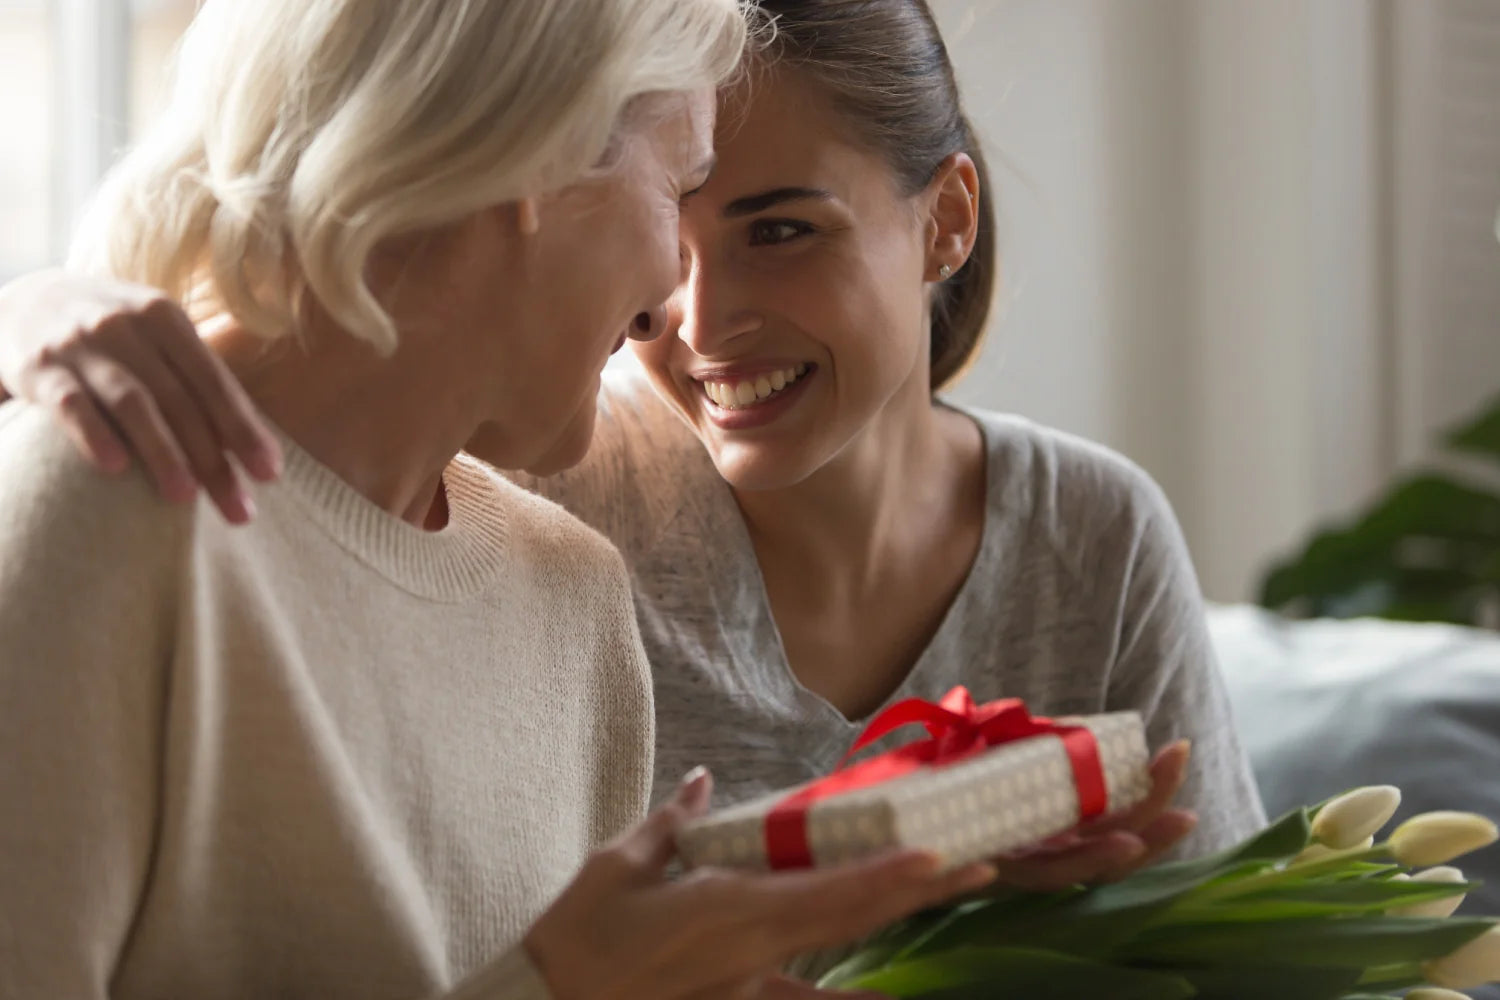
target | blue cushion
[{"x": 1323, "y": 706}]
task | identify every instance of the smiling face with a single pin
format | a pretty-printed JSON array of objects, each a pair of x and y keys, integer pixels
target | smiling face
[
  {"x": 802, "y": 320},
  {"x": 569, "y": 289}
]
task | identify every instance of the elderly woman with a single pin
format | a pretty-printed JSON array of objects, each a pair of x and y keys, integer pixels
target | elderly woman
[{"x": 359, "y": 748}]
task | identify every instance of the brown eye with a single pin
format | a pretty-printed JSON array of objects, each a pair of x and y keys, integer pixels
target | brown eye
[{"x": 770, "y": 232}]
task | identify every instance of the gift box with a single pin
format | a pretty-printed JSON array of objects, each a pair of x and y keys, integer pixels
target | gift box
[{"x": 988, "y": 780}]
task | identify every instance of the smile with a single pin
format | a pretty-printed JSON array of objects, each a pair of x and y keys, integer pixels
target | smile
[{"x": 742, "y": 394}]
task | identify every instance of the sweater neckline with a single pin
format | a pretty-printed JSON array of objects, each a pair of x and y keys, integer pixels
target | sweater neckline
[{"x": 450, "y": 564}]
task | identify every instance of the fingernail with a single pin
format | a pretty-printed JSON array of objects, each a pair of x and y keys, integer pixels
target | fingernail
[
  {"x": 1185, "y": 743},
  {"x": 980, "y": 875},
  {"x": 266, "y": 464},
  {"x": 247, "y": 505},
  {"x": 694, "y": 776}
]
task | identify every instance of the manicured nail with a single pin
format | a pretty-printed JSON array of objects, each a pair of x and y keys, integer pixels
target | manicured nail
[
  {"x": 978, "y": 876},
  {"x": 265, "y": 464},
  {"x": 694, "y": 776}
]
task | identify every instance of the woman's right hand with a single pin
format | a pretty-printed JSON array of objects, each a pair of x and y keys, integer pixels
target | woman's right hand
[
  {"x": 622, "y": 930},
  {"x": 123, "y": 368}
]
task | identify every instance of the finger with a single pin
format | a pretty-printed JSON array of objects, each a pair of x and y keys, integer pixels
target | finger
[
  {"x": 1168, "y": 773},
  {"x": 58, "y": 389},
  {"x": 193, "y": 431},
  {"x": 827, "y": 907},
  {"x": 1166, "y": 832},
  {"x": 235, "y": 419},
  {"x": 647, "y": 849},
  {"x": 786, "y": 988},
  {"x": 1090, "y": 861},
  {"x": 132, "y": 409}
]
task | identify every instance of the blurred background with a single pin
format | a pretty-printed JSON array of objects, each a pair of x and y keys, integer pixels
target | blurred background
[{"x": 1250, "y": 244}]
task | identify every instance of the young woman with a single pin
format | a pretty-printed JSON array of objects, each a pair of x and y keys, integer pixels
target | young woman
[
  {"x": 811, "y": 532},
  {"x": 360, "y": 747}
]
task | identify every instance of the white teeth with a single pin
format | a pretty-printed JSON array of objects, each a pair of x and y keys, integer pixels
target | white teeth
[{"x": 738, "y": 395}]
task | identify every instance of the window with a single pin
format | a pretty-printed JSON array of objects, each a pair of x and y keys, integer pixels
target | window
[
  {"x": 78, "y": 79},
  {"x": 26, "y": 106}
]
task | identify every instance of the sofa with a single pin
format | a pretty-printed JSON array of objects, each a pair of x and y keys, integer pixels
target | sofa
[{"x": 1323, "y": 706}]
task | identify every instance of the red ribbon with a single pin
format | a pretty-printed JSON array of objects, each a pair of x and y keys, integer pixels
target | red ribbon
[{"x": 957, "y": 729}]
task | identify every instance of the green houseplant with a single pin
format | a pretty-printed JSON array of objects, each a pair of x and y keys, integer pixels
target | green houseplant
[{"x": 1429, "y": 550}]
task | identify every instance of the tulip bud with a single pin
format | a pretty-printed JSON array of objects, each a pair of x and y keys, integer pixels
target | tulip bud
[
  {"x": 1355, "y": 815},
  {"x": 1433, "y": 907},
  {"x": 1437, "y": 837},
  {"x": 1436, "y": 993},
  {"x": 1475, "y": 964}
]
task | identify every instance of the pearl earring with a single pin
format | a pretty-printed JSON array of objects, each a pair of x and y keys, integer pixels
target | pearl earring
[{"x": 945, "y": 272}]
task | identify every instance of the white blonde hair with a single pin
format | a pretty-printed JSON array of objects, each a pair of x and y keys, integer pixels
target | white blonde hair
[{"x": 301, "y": 133}]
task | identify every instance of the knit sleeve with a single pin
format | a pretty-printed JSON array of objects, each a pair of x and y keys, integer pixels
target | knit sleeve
[
  {"x": 512, "y": 976},
  {"x": 1164, "y": 667},
  {"x": 83, "y": 633}
]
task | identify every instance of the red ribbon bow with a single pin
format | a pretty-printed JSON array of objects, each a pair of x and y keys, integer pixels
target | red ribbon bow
[{"x": 957, "y": 729}]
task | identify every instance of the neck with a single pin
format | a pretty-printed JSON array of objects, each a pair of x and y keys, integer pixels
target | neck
[
  {"x": 857, "y": 519},
  {"x": 386, "y": 426}
]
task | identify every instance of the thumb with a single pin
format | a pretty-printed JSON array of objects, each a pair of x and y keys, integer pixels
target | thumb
[
  {"x": 783, "y": 988},
  {"x": 653, "y": 843}
]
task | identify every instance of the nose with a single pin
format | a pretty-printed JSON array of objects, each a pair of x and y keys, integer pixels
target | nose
[
  {"x": 650, "y": 324},
  {"x": 710, "y": 310}
]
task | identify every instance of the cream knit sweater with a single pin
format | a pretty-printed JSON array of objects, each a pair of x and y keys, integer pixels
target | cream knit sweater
[{"x": 328, "y": 755}]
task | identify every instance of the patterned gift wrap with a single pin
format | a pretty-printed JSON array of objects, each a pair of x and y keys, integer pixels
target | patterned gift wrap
[{"x": 1011, "y": 797}]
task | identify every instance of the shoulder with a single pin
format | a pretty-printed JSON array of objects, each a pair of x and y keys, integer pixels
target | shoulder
[
  {"x": 57, "y": 508},
  {"x": 1079, "y": 495},
  {"x": 564, "y": 557}
]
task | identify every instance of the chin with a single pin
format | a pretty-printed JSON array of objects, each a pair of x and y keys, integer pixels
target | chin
[
  {"x": 569, "y": 449},
  {"x": 759, "y": 469}
]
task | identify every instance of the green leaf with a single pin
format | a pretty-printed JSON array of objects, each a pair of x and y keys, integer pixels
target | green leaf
[
  {"x": 1480, "y": 435},
  {"x": 1281, "y": 982},
  {"x": 1424, "y": 551},
  {"x": 1036, "y": 975},
  {"x": 1095, "y": 920},
  {"x": 1319, "y": 897},
  {"x": 1357, "y": 942}
]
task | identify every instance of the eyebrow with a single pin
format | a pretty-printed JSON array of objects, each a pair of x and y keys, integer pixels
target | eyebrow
[{"x": 751, "y": 204}]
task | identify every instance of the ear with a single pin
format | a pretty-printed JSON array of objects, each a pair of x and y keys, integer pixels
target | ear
[
  {"x": 953, "y": 197},
  {"x": 528, "y": 216}
]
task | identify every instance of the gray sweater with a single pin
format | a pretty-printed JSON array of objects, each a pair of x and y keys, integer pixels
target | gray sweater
[{"x": 1082, "y": 600}]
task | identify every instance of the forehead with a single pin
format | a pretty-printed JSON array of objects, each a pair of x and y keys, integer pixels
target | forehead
[
  {"x": 779, "y": 126},
  {"x": 682, "y": 128}
]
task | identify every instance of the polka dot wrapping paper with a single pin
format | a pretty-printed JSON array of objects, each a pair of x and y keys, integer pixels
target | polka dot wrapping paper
[{"x": 1002, "y": 800}]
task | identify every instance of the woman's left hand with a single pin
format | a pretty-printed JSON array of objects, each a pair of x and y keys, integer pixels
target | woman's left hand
[{"x": 1109, "y": 849}]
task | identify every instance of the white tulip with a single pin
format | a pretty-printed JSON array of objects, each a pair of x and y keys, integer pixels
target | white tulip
[
  {"x": 1433, "y": 907},
  {"x": 1475, "y": 964},
  {"x": 1355, "y": 815},
  {"x": 1438, "y": 837}
]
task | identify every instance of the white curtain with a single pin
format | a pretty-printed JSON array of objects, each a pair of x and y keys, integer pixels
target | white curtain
[{"x": 1246, "y": 243}]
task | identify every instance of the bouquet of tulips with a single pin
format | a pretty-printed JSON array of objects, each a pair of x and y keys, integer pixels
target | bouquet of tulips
[{"x": 1312, "y": 908}]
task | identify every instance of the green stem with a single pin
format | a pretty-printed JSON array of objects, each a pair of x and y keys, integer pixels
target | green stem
[
  {"x": 1393, "y": 977},
  {"x": 1279, "y": 876}
]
